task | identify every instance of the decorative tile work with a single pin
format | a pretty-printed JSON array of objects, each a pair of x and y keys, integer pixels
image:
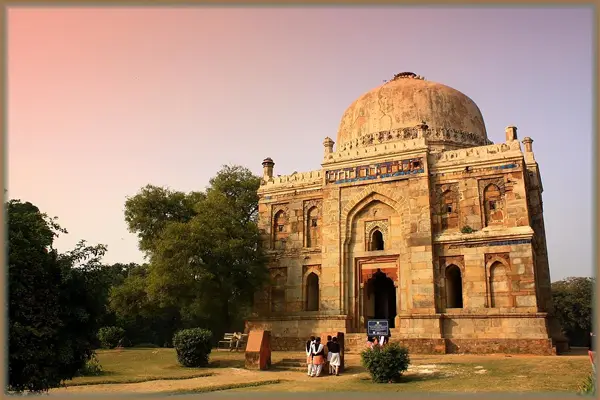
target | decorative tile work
[
  {"x": 497, "y": 243},
  {"x": 506, "y": 166},
  {"x": 376, "y": 171}
]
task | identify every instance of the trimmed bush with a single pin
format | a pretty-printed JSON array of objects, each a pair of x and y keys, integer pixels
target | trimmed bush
[
  {"x": 193, "y": 347},
  {"x": 92, "y": 367},
  {"x": 111, "y": 336},
  {"x": 387, "y": 363}
]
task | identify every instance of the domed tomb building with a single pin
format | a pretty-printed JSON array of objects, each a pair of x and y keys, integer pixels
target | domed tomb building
[{"x": 415, "y": 217}]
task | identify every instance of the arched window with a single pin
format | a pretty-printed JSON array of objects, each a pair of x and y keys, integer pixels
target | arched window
[
  {"x": 499, "y": 286},
  {"x": 377, "y": 242},
  {"x": 493, "y": 205},
  {"x": 279, "y": 230},
  {"x": 312, "y": 292},
  {"x": 313, "y": 229},
  {"x": 449, "y": 211},
  {"x": 454, "y": 296}
]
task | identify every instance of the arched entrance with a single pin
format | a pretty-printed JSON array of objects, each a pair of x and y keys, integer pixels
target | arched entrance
[{"x": 380, "y": 298}]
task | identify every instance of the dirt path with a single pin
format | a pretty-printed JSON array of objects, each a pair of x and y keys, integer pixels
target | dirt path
[{"x": 222, "y": 377}]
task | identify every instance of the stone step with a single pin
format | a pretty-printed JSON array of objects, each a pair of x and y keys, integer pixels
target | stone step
[
  {"x": 300, "y": 360},
  {"x": 291, "y": 364}
]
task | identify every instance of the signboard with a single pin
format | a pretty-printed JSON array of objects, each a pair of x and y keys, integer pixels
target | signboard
[{"x": 378, "y": 327}]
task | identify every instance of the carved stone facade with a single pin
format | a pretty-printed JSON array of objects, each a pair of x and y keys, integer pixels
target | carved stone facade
[{"x": 425, "y": 223}]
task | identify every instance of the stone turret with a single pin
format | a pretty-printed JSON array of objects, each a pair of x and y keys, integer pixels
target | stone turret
[{"x": 268, "y": 169}]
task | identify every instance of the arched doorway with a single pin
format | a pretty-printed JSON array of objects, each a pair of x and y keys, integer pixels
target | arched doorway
[
  {"x": 454, "y": 296},
  {"x": 380, "y": 298}
]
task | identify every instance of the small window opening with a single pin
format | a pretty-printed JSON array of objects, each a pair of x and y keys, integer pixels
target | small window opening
[{"x": 377, "y": 242}]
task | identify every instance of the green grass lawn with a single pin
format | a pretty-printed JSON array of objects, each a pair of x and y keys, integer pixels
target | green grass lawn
[{"x": 428, "y": 373}]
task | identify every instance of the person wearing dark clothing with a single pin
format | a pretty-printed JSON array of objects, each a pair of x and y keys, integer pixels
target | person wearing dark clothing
[
  {"x": 335, "y": 360},
  {"x": 328, "y": 345}
]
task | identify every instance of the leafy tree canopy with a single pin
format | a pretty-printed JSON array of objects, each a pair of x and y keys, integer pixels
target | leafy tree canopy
[
  {"x": 53, "y": 310},
  {"x": 573, "y": 299},
  {"x": 205, "y": 258}
]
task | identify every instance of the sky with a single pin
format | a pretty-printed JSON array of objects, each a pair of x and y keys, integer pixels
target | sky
[{"x": 103, "y": 101}]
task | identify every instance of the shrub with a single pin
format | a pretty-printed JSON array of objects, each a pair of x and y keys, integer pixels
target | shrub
[
  {"x": 193, "y": 347},
  {"x": 91, "y": 368},
  {"x": 387, "y": 363},
  {"x": 467, "y": 229},
  {"x": 588, "y": 387},
  {"x": 111, "y": 336}
]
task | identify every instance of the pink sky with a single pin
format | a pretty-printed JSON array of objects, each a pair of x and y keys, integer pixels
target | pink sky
[{"x": 105, "y": 101}]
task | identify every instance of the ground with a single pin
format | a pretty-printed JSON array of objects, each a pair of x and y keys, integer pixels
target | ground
[{"x": 151, "y": 370}]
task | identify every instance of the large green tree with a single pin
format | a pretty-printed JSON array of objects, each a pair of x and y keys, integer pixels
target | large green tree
[
  {"x": 53, "y": 308},
  {"x": 573, "y": 301},
  {"x": 205, "y": 258}
]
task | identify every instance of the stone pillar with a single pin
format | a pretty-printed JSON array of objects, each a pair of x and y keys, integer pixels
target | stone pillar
[
  {"x": 511, "y": 133},
  {"x": 397, "y": 318},
  {"x": 361, "y": 306},
  {"x": 268, "y": 169},
  {"x": 328, "y": 144}
]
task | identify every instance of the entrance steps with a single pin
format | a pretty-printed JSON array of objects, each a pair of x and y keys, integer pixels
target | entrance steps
[{"x": 292, "y": 364}]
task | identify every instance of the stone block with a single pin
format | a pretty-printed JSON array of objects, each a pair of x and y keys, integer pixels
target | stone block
[{"x": 258, "y": 350}]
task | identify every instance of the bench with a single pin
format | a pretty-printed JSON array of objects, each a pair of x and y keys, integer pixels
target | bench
[{"x": 232, "y": 342}]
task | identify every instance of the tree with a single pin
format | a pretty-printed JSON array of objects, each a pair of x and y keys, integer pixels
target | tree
[
  {"x": 143, "y": 319},
  {"x": 148, "y": 212},
  {"x": 573, "y": 298},
  {"x": 205, "y": 259},
  {"x": 52, "y": 309}
]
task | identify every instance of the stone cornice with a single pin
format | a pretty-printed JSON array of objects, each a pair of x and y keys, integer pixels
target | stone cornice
[
  {"x": 475, "y": 156},
  {"x": 484, "y": 236},
  {"x": 316, "y": 315},
  {"x": 297, "y": 180},
  {"x": 441, "y": 135},
  {"x": 403, "y": 148},
  {"x": 473, "y": 313}
]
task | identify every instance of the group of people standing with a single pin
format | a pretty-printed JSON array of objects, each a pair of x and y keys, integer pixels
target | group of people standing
[{"x": 317, "y": 355}]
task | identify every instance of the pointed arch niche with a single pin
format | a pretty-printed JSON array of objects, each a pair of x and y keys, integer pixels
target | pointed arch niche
[
  {"x": 312, "y": 224},
  {"x": 451, "y": 283},
  {"x": 498, "y": 272},
  {"x": 311, "y": 287}
]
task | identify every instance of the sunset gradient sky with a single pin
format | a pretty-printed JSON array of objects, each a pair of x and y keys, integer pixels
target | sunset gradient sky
[{"x": 104, "y": 101}]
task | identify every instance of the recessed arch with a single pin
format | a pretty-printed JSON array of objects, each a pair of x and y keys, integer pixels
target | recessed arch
[
  {"x": 313, "y": 227},
  {"x": 279, "y": 229},
  {"x": 493, "y": 205},
  {"x": 312, "y": 292},
  {"x": 351, "y": 211},
  {"x": 499, "y": 283}
]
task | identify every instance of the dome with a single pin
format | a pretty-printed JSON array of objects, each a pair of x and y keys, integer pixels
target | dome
[{"x": 408, "y": 101}]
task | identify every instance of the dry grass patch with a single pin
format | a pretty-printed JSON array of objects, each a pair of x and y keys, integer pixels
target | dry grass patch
[{"x": 435, "y": 373}]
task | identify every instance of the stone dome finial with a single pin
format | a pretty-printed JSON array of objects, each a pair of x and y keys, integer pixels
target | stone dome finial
[{"x": 407, "y": 75}]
